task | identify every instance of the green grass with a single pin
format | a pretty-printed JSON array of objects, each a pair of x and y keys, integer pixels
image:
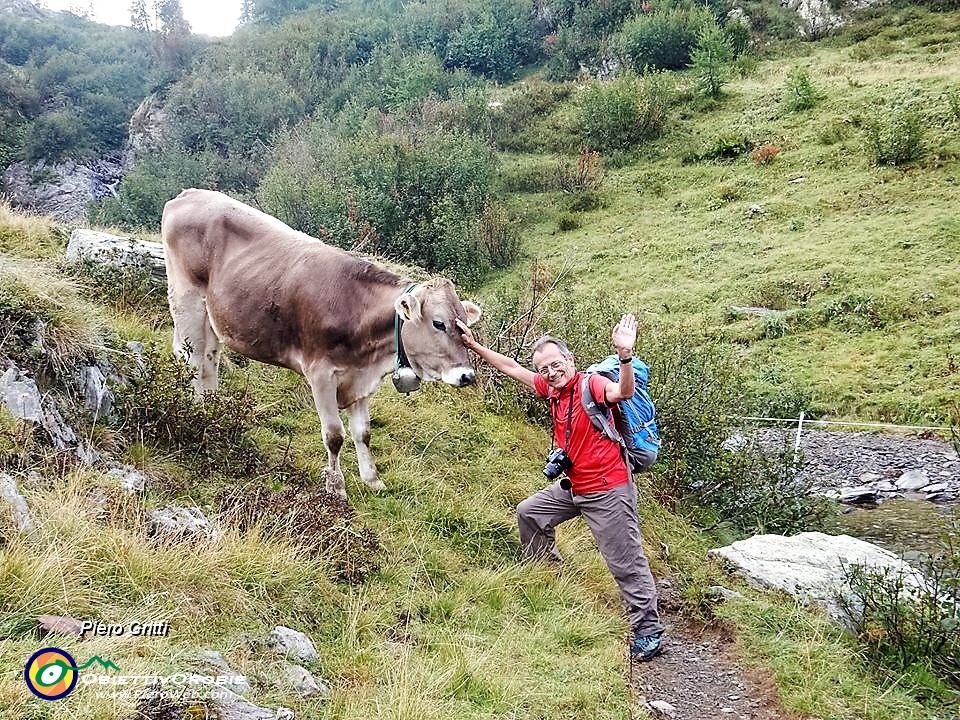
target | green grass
[{"x": 677, "y": 241}]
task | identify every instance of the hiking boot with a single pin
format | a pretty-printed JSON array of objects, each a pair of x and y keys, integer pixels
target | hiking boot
[{"x": 646, "y": 647}]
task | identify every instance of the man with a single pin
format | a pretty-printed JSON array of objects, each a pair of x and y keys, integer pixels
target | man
[{"x": 598, "y": 487}]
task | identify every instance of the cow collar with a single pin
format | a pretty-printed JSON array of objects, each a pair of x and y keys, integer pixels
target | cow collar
[{"x": 405, "y": 380}]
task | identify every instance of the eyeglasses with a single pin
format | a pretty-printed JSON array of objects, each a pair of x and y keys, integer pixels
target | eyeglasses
[{"x": 555, "y": 366}]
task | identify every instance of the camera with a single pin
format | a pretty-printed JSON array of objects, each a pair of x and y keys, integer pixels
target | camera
[{"x": 557, "y": 462}]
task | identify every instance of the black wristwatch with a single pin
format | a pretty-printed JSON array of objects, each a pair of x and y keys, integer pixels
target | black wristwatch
[{"x": 625, "y": 361}]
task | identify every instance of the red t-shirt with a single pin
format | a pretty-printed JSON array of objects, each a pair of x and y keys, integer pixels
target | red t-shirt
[{"x": 597, "y": 461}]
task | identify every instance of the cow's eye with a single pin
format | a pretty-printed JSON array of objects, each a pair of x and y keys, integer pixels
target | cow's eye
[{"x": 438, "y": 324}]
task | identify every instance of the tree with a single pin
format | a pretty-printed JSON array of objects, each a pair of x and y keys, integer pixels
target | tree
[{"x": 711, "y": 59}]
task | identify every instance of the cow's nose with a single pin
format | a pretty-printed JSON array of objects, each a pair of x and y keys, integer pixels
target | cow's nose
[{"x": 468, "y": 378}]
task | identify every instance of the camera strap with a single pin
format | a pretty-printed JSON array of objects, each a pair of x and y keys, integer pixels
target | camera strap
[{"x": 553, "y": 420}]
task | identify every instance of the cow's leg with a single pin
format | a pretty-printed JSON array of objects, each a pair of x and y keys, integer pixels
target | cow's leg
[
  {"x": 194, "y": 339},
  {"x": 331, "y": 427},
  {"x": 359, "y": 415}
]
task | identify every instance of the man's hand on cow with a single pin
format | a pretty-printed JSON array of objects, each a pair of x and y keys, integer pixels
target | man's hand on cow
[
  {"x": 466, "y": 335},
  {"x": 625, "y": 334}
]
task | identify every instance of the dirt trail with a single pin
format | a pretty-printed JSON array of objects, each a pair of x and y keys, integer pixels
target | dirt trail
[{"x": 699, "y": 676}]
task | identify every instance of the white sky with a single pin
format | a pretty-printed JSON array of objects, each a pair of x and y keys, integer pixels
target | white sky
[{"x": 206, "y": 17}]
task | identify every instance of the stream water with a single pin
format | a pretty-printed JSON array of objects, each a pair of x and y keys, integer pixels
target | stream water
[{"x": 905, "y": 527}]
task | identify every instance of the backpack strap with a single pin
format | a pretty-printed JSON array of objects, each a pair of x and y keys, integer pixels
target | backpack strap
[{"x": 601, "y": 421}]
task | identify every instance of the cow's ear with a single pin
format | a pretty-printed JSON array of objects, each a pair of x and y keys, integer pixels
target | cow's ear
[
  {"x": 407, "y": 307},
  {"x": 473, "y": 311}
]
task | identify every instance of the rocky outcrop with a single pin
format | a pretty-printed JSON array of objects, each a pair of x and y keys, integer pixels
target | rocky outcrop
[
  {"x": 64, "y": 190},
  {"x": 61, "y": 190},
  {"x": 148, "y": 126}
]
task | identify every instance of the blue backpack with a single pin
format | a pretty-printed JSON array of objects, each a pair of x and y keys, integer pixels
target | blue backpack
[{"x": 634, "y": 423}]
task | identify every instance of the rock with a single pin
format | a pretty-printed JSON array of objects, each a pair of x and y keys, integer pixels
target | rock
[
  {"x": 817, "y": 15},
  {"x": 61, "y": 190},
  {"x": 20, "y": 395},
  {"x": 663, "y": 708},
  {"x": 239, "y": 683},
  {"x": 761, "y": 311},
  {"x": 22, "y": 398},
  {"x": 101, "y": 247},
  {"x": 293, "y": 644},
  {"x": 97, "y": 397},
  {"x": 811, "y": 566},
  {"x": 231, "y": 706},
  {"x": 719, "y": 592},
  {"x": 19, "y": 511},
  {"x": 913, "y": 480},
  {"x": 60, "y": 625},
  {"x": 146, "y": 131},
  {"x": 303, "y": 682},
  {"x": 176, "y": 521},
  {"x": 131, "y": 480},
  {"x": 857, "y": 496}
]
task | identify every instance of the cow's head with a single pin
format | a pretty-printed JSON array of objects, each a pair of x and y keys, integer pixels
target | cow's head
[{"x": 430, "y": 336}]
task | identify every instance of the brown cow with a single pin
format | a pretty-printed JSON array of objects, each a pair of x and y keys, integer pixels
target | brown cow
[{"x": 241, "y": 278}]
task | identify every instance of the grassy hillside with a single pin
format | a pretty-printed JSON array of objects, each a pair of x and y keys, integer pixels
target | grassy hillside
[
  {"x": 416, "y": 599},
  {"x": 863, "y": 257}
]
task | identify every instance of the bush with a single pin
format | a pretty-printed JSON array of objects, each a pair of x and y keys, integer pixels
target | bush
[
  {"x": 586, "y": 175},
  {"x": 129, "y": 287},
  {"x": 620, "y": 113},
  {"x": 798, "y": 92},
  {"x": 420, "y": 196},
  {"x": 157, "y": 407},
  {"x": 727, "y": 146},
  {"x": 663, "y": 39},
  {"x": 906, "y": 628},
  {"x": 495, "y": 40},
  {"x": 895, "y": 138},
  {"x": 521, "y": 121}
]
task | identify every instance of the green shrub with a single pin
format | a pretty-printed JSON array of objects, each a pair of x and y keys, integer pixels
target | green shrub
[
  {"x": 495, "y": 40},
  {"x": 129, "y": 287},
  {"x": 421, "y": 196},
  {"x": 519, "y": 121},
  {"x": 727, "y": 146},
  {"x": 798, "y": 92},
  {"x": 663, "y": 39},
  {"x": 156, "y": 404},
  {"x": 910, "y": 629},
  {"x": 895, "y": 137},
  {"x": 568, "y": 222},
  {"x": 531, "y": 178},
  {"x": 625, "y": 111},
  {"x": 856, "y": 312}
]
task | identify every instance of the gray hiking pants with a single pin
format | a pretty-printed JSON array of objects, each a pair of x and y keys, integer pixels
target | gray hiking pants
[{"x": 611, "y": 516}]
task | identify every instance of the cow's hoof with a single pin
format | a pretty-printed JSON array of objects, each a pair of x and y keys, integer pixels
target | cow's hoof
[{"x": 376, "y": 485}]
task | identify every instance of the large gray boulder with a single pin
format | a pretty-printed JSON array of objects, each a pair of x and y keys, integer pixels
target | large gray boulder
[
  {"x": 106, "y": 248},
  {"x": 812, "y": 567}
]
